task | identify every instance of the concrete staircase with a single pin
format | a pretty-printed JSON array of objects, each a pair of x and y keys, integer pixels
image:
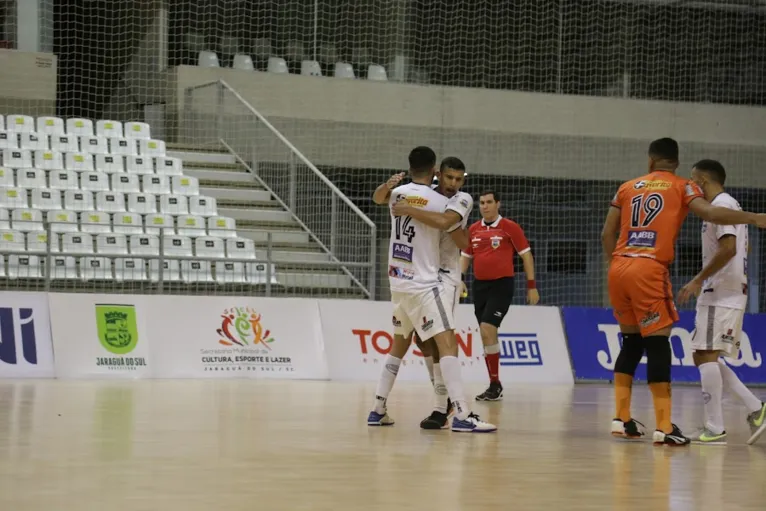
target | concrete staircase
[{"x": 257, "y": 214}]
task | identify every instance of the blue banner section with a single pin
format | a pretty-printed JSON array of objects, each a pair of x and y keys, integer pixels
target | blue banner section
[{"x": 594, "y": 343}]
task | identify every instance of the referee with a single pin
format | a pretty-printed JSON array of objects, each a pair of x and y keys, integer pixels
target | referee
[{"x": 493, "y": 241}]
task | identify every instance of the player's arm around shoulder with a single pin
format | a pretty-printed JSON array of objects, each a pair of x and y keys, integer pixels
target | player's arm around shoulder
[
  {"x": 448, "y": 220},
  {"x": 697, "y": 204},
  {"x": 382, "y": 193}
]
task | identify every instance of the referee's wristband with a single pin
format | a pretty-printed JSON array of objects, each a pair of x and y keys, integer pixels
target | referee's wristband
[{"x": 531, "y": 284}]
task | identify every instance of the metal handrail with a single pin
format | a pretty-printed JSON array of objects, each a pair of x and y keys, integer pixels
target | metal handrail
[{"x": 336, "y": 192}]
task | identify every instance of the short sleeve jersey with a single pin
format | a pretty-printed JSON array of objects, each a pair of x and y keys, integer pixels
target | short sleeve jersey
[
  {"x": 728, "y": 287},
  {"x": 413, "y": 251},
  {"x": 652, "y": 210},
  {"x": 492, "y": 247},
  {"x": 462, "y": 204}
]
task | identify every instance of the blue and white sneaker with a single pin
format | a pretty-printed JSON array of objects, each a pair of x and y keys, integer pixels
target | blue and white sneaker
[
  {"x": 472, "y": 424},
  {"x": 379, "y": 419}
]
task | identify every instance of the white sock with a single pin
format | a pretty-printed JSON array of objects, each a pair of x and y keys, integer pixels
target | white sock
[
  {"x": 733, "y": 383},
  {"x": 386, "y": 382},
  {"x": 430, "y": 367},
  {"x": 451, "y": 372},
  {"x": 440, "y": 390},
  {"x": 712, "y": 390}
]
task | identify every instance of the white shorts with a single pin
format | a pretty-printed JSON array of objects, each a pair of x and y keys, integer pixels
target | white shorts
[
  {"x": 428, "y": 312},
  {"x": 718, "y": 328}
]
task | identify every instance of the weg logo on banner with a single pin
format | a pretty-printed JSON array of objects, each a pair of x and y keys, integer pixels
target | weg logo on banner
[
  {"x": 519, "y": 350},
  {"x": 594, "y": 342},
  {"x": 22, "y": 348}
]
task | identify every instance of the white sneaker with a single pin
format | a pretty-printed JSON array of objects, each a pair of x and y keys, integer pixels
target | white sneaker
[
  {"x": 472, "y": 424},
  {"x": 379, "y": 419}
]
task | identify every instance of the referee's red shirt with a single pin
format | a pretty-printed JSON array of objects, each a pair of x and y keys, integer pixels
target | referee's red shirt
[{"x": 492, "y": 247}]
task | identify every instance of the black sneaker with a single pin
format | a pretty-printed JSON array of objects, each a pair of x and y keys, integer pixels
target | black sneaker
[
  {"x": 436, "y": 420},
  {"x": 493, "y": 393},
  {"x": 632, "y": 430},
  {"x": 674, "y": 438}
]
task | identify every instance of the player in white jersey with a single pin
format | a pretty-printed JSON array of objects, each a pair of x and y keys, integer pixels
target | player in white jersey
[
  {"x": 721, "y": 288},
  {"x": 417, "y": 291}
]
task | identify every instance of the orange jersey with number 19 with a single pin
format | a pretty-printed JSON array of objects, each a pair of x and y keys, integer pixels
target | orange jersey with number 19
[{"x": 653, "y": 209}]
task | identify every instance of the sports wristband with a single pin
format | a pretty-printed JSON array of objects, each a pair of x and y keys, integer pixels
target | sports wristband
[{"x": 531, "y": 284}]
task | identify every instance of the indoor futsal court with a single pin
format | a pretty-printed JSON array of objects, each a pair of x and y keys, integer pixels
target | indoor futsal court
[{"x": 299, "y": 445}]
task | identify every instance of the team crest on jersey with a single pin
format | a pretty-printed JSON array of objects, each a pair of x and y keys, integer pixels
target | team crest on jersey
[{"x": 495, "y": 240}]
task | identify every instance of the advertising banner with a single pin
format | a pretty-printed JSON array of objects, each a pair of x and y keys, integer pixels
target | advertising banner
[
  {"x": 25, "y": 336},
  {"x": 100, "y": 335},
  {"x": 594, "y": 341},
  {"x": 358, "y": 335},
  {"x": 230, "y": 337}
]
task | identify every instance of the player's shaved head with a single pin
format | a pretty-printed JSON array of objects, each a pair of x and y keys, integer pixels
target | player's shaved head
[
  {"x": 422, "y": 161},
  {"x": 713, "y": 170},
  {"x": 664, "y": 154}
]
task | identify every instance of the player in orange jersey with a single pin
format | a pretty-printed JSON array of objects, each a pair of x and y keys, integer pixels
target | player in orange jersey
[{"x": 648, "y": 213}]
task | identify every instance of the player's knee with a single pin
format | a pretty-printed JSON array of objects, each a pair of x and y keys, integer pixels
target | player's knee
[
  {"x": 423, "y": 346},
  {"x": 400, "y": 346},
  {"x": 703, "y": 357},
  {"x": 446, "y": 343},
  {"x": 658, "y": 359},
  {"x": 630, "y": 354},
  {"x": 488, "y": 333}
]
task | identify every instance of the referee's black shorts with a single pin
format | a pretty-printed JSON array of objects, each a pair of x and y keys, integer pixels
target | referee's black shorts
[{"x": 491, "y": 299}]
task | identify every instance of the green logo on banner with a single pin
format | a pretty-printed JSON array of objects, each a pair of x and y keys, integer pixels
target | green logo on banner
[{"x": 117, "y": 328}]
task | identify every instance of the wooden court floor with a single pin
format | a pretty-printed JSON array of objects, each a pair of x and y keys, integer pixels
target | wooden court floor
[{"x": 245, "y": 445}]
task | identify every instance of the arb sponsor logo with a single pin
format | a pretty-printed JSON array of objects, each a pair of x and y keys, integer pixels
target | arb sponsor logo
[
  {"x": 246, "y": 345},
  {"x": 118, "y": 333},
  {"x": 374, "y": 344},
  {"x": 520, "y": 350}
]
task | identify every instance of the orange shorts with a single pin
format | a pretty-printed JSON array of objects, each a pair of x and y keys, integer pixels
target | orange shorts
[{"x": 641, "y": 294}]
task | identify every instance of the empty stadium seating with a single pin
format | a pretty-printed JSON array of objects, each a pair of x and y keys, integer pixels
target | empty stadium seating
[{"x": 104, "y": 200}]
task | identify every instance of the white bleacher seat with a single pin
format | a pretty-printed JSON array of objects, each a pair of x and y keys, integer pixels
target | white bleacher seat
[
  {"x": 230, "y": 272},
  {"x": 49, "y": 160},
  {"x": 63, "y": 268},
  {"x": 196, "y": 271},
  {"x": 240, "y": 248},
  {"x": 95, "y": 268},
  {"x": 191, "y": 225},
  {"x": 76, "y": 200},
  {"x": 37, "y": 242},
  {"x": 123, "y": 146},
  {"x": 127, "y": 223},
  {"x": 76, "y": 242},
  {"x": 65, "y": 143},
  {"x": 94, "y": 145},
  {"x": 62, "y": 221},
  {"x": 137, "y": 130},
  {"x": 33, "y": 141},
  {"x": 31, "y": 178},
  {"x": 311, "y": 68},
  {"x": 139, "y": 165},
  {"x": 5, "y": 219},
  {"x": 344, "y": 70},
  {"x": 277, "y": 65},
  {"x": 142, "y": 203},
  {"x": 13, "y": 198},
  {"x": 50, "y": 125},
  {"x": 168, "y": 166},
  {"x": 9, "y": 140},
  {"x": 111, "y": 164},
  {"x": 63, "y": 180},
  {"x": 377, "y": 73},
  {"x": 81, "y": 162},
  {"x": 174, "y": 204},
  {"x": 94, "y": 181},
  {"x": 148, "y": 147},
  {"x": 158, "y": 185},
  {"x": 27, "y": 220},
  {"x": 144, "y": 245},
  {"x": 242, "y": 62},
  {"x": 129, "y": 269},
  {"x": 112, "y": 244},
  {"x": 6, "y": 178},
  {"x": 95, "y": 222},
  {"x": 17, "y": 158},
  {"x": 203, "y": 205},
  {"x": 207, "y": 59},
  {"x": 110, "y": 202},
  {"x": 221, "y": 226},
  {"x": 126, "y": 183},
  {"x": 3, "y": 272},
  {"x": 2, "y": 122},
  {"x": 24, "y": 267},
  {"x": 171, "y": 270},
  {"x": 175, "y": 245},
  {"x": 257, "y": 273},
  {"x": 46, "y": 199},
  {"x": 209, "y": 246},
  {"x": 159, "y": 221},
  {"x": 185, "y": 185},
  {"x": 12, "y": 240},
  {"x": 19, "y": 123},
  {"x": 79, "y": 127},
  {"x": 107, "y": 128}
]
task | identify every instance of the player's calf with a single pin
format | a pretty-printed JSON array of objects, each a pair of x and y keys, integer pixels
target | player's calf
[
  {"x": 658, "y": 355},
  {"x": 623, "y": 425}
]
